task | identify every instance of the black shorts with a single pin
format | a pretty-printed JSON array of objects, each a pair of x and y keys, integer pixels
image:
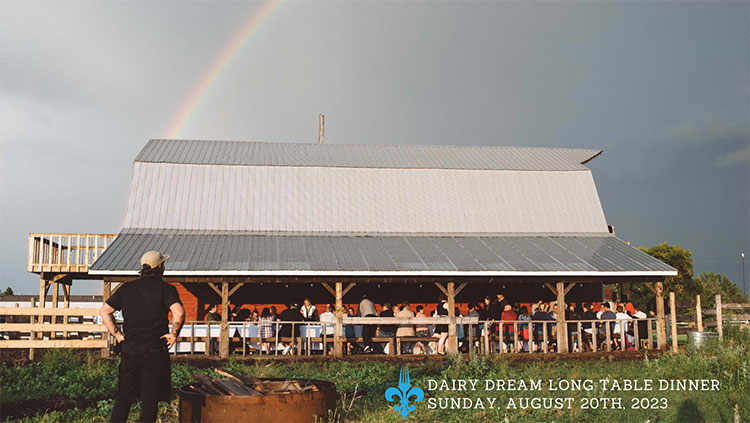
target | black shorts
[{"x": 145, "y": 375}]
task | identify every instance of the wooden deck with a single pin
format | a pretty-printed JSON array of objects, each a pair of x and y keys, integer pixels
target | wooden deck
[{"x": 65, "y": 253}]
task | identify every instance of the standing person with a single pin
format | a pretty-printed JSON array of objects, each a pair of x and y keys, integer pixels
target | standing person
[
  {"x": 588, "y": 314},
  {"x": 542, "y": 315},
  {"x": 473, "y": 328},
  {"x": 441, "y": 330},
  {"x": 386, "y": 331},
  {"x": 571, "y": 315},
  {"x": 422, "y": 330},
  {"x": 523, "y": 329},
  {"x": 623, "y": 326},
  {"x": 367, "y": 309},
  {"x": 607, "y": 314},
  {"x": 213, "y": 314},
  {"x": 405, "y": 330},
  {"x": 291, "y": 314},
  {"x": 351, "y": 343},
  {"x": 145, "y": 369},
  {"x": 308, "y": 310},
  {"x": 509, "y": 316},
  {"x": 267, "y": 329},
  {"x": 329, "y": 318}
]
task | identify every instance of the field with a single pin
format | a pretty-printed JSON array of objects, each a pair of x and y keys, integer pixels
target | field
[{"x": 72, "y": 387}]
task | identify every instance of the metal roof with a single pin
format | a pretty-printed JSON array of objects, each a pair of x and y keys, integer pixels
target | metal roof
[
  {"x": 221, "y": 253},
  {"x": 359, "y": 155},
  {"x": 326, "y": 199}
]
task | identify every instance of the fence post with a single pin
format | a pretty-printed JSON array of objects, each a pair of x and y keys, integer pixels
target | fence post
[
  {"x": 698, "y": 313},
  {"x": 673, "y": 320},
  {"x": 661, "y": 329},
  {"x": 32, "y": 335},
  {"x": 719, "y": 326}
]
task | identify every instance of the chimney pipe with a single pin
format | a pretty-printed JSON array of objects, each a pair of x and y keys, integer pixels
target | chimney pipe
[{"x": 321, "y": 125}]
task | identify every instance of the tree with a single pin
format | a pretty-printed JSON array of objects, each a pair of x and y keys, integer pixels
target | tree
[
  {"x": 681, "y": 259},
  {"x": 716, "y": 283},
  {"x": 8, "y": 291}
]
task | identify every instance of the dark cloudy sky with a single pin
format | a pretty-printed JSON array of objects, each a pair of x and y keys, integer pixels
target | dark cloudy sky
[{"x": 661, "y": 87}]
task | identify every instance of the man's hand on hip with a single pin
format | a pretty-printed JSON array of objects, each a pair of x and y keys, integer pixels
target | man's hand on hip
[{"x": 170, "y": 338}]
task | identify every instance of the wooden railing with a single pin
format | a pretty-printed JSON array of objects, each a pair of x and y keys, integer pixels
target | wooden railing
[
  {"x": 39, "y": 334},
  {"x": 65, "y": 253}
]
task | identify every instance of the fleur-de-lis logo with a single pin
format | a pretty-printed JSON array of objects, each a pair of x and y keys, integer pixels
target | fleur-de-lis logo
[{"x": 404, "y": 391}]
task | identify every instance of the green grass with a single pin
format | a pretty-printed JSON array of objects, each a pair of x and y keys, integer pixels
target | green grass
[{"x": 63, "y": 374}]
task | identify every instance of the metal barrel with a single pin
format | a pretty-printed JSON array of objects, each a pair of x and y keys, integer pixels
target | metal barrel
[
  {"x": 287, "y": 408},
  {"x": 701, "y": 340}
]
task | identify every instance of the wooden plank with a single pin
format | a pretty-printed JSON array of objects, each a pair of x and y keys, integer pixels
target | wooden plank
[
  {"x": 224, "y": 329},
  {"x": 441, "y": 288},
  {"x": 698, "y": 313},
  {"x": 235, "y": 288},
  {"x": 551, "y": 288},
  {"x": 452, "y": 327},
  {"x": 650, "y": 287},
  {"x": 338, "y": 330},
  {"x": 209, "y": 384},
  {"x": 673, "y": 320},
  {"x": 661, "y": 328},
  {"x": 56, "y": 343},
  {"x": 36, "y": 311},
  {"x": 736, "y": 317},
  {"x": 735, "y": 306},
  {"x": 216, "y": 290},
  {"x": 562, "y": 327},
  {"x": 348, "y": 288},
  {"x": 719, "y": 323},
  {"x": 30, "y": 254},
  {"x": 569, "y": 287},
  {"x": 49, "y": 327},
  {"x": 461, "y": 287},
  {"x": 329, "y": 289}
]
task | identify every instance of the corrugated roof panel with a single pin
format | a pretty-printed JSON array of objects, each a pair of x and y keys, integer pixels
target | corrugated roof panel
[
  {"x": 251, "y": 253},
  {"x": 504, "y": 248},
  {"x": 266, "y": 198},
  {"x": 430, "y": 253},
  {"x": 458, "y": 256},
  {"x": 402, "y": 254},
  {"x": 360, "y": 155}
]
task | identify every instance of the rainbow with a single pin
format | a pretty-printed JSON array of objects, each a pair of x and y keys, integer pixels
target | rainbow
[{"x": 221, "y": 63}]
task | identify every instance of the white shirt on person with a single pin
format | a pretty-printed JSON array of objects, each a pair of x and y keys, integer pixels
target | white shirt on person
[{"x": 328, "y": 317}]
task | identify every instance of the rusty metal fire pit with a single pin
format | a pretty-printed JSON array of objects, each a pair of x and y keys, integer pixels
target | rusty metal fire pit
[{"x": 243, "y": 399}]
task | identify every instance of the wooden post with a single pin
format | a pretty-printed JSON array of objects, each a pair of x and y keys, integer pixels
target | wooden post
[
  {"x": 698, "y": 313},
  {"x": 719, "y": 326},
  {"x": 338, "y": 345},
  {"x": 452, "y": 329},
  {"x": 32, "y": 335},
  {"x": 673, "y": 320},
  {"x": 66, "y": 297},
  {"x": 562, "y": 328},
  {"x": 224, "y": 332},
  {"x": 321, "y": 125},
  {"x": 55, "y": 302},
  {"x": 106, "y": 291},
  {"x": 661, "y": 329},
  {"x": 42, "y": 292}
]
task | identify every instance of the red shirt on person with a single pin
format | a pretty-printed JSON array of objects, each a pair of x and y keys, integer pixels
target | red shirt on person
[{"x": 506, "y": 316}]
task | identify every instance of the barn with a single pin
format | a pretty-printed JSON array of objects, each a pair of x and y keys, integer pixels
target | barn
[{"x": 249, "y": 223}]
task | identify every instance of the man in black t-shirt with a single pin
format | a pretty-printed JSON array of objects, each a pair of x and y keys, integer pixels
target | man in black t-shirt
[{"x": 144, "y": 366}]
